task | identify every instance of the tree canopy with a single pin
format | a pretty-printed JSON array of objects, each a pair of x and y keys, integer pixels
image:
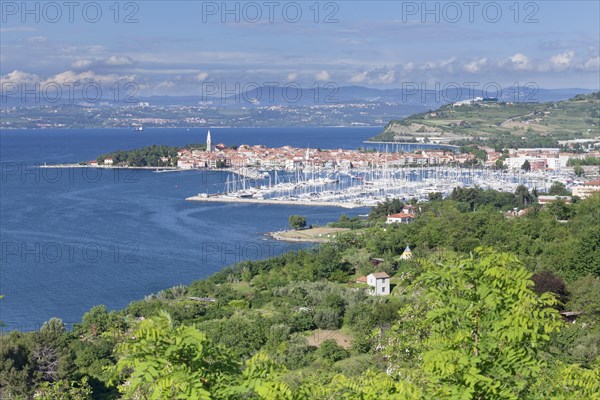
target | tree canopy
[{"x": 473, "y": 315}]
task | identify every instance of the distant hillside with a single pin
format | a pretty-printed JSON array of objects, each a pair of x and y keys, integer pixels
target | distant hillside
[
  {"x": 578, "y": 117},
  {"x": 412, "y": 100},
  {"x": 329, "y": 93}
]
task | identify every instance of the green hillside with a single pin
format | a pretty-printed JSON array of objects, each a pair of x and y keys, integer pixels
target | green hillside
[
  {"x": 476, "y": 311},
  {"x": 578, "y": 117}
]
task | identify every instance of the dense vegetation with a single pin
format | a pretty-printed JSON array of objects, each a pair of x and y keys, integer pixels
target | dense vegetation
[
  {"x": 506, "y": 140},
  {"x": 149, "y": 156},
  {"x": 584, "y": 161},
  {"x": 474, "y": 315}
]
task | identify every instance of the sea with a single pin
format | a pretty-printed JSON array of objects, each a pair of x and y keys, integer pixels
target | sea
[{"x": 75, "y": 238}]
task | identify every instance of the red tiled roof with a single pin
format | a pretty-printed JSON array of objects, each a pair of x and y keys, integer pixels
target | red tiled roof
[
  {"x": 362, "y": 279},
  {"x": 401, "y": 215},
  {"x": 595, "y": 182}
]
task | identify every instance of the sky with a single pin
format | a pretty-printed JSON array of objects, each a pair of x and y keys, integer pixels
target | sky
[{"x": 186, "y": 47}]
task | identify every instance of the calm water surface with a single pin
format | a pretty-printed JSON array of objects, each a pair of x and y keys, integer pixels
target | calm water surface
[{"x": 75, "y": 238}]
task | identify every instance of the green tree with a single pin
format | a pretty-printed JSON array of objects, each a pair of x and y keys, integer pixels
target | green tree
[
  {"x": 331, "y": 351},
  {"x": 327, "y": 318},
  {"x": 475, "y": 329},
  {"x": 558, "y": 189},
  {"x": 568, "y": 382},
  {"x": 526, "y": 166},
  {"x": 560, "y": 210},
  {"x": 523, "y": 197},
  {"x": 359, "y": 259},
  {"x": 297, "y": 221},
  {"x": 578, "y": 169},
  {"x": 585, "y": 297},
  {"x": 371, "y": 385},
  {"x": 221, "y": 164},
  {"x": 63, "y": 390},
  {"x": 163, "y": 361},
  {"x": 435, "y": 196},
  {"x": 383, "y": 209}
]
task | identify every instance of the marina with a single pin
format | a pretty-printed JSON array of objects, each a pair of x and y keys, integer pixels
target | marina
[{"x": 367, "y": 187}]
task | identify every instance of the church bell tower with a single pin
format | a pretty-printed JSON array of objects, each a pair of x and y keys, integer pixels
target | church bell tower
[{"x": 209, "y": 147}]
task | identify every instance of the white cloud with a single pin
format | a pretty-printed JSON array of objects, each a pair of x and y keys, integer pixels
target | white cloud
[
  {"x": 376, "y": 76},
  {"x": 292, "y": 76},
  {"x": 202, "y": 76},
  {"x": 83, "y": 63},
  {"x": 517, "y": 62},
  {"x": 165, "y": 85},
  {"x": 593, "y": 64},
  {"x": 117, "y": 61},
  {"x": 561, "y": 62},
  {"x": 322, "y": 76},
  {"x": 445, "y": 65},
  {"x": 112, "y": 61},
  {"x": 19, "y": 77},
  {"x": 475, "y": 65},
  {"x": 386, "y": 77},
  {"x": 360, "y": 77},
  {"x": 566, "y": 61},
  {"x": 89, "y": 77},
  {"x": 409, "y": 67},
  {"x": 66, "y": 77}
]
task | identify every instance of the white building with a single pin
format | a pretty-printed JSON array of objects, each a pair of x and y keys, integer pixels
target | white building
[
  {"x": 538, "y": 158},
  {"x": 400, "y": 218},
  {"x": 587, "y": 189},
  {"x": 380, "y": 282}
]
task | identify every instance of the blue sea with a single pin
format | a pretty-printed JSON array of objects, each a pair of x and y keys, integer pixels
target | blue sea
[{"x": 75, "y": 238}]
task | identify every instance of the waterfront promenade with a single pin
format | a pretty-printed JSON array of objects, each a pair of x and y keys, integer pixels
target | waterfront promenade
[
  {"x": 251, "y": 173},
  {"x": 230, "y": 199}
]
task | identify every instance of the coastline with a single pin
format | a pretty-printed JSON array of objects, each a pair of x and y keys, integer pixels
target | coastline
[
  {"x": 279, "y": 236},
  {"x": 223, "y": 199},
  {"x": 128, "y": 128},
  {"x": 74, "y": 165},
  {"x": 309, "y": 235},
  {"x": 246, "y": 172}
]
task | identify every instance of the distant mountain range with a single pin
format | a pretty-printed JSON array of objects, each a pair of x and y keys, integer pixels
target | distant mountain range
[
  {"x": 282, "y": 96},
  {"x": 268, "y": 106},
  {"x": 326, "y": 94}
]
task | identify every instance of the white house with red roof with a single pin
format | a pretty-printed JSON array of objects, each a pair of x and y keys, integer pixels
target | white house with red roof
[{"x": 400, "y": 218}]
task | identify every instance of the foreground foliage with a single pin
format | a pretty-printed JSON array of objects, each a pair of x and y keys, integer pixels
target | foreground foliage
[
  {"x": 474, "y": 329},
  {"x": 473, "y": 315}
]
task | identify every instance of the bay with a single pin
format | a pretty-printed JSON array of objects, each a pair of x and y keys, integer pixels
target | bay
[{"x": 75, "y": 238}]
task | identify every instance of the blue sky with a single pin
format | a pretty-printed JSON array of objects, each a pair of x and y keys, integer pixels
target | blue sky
[{"x": 176, "y": 46}]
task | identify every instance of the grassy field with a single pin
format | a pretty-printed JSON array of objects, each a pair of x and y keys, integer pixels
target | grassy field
[
  {"x": 578, "y": 117},
  {"x": 319, "y": 234}
]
